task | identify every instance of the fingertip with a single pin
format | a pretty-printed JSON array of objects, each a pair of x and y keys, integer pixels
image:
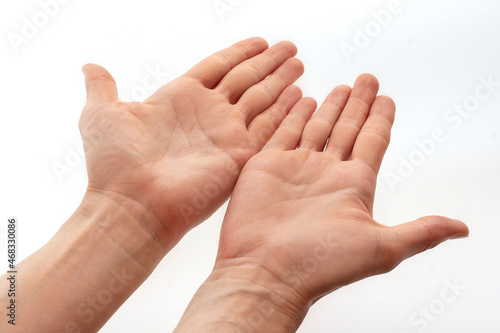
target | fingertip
[
  {"x": 288, "y": 134},
  {"x": 93, "y": 71},
  {"x": 288, "y": 98},
  {"x": 310, "y": 103},
  {"x": 343, "y": 88},
  {"x": 258, "y": 41},
  {"x": 369, "y": 80},
  {"x": 462, "y": 230},
  {"x": 385, "y": 106},
  {"x": 84, "y": 67},
  {"x": 296, "y": 65},
  {"x": 290, "y": 46},
  {"x": 339, "y": 93},
  {"x": 100, "y": 84},
  {"x": 88, "y": 68},
  {"x": 304, "y": 103},
  {"x": 293, "y": 90},
  {"x": 427, "y": 232},
  {"x": 387, "y": 101},
  {"x": 440, "y": 228},
  {"x": 305, "y": 108}
]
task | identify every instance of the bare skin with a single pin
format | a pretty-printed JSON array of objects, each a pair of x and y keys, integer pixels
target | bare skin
[
  {"x": 299, "y": 223},
  {"x": 210, "y": 120},
  {"x": 146, "y": 164}
]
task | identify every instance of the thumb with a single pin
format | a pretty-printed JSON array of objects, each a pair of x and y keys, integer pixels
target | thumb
[
  {"x": 101, "y": 87},
  {"x": 427, "y": 232}
]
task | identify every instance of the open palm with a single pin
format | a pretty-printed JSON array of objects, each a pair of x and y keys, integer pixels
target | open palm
[
  {"x": 179, "y": 153},
  {"x": 304, "y": 214}
]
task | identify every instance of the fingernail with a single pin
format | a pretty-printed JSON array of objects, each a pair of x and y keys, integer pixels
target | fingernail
[{"x": 459, "y": 236}]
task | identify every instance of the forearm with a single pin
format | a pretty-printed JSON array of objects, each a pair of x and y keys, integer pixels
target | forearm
[
  {"x": 98, "y": 258},
  {"x": 243, "y": 299}
]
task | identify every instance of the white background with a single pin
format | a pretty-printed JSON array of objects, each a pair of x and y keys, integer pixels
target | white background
[{"x": 429, "y": 57}]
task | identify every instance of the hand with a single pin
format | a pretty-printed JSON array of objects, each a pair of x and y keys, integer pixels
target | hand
[
  {"x": 303, "y": 216},
  {"x": 155, "y": 170},
  {"x": 179, "y": 153}
]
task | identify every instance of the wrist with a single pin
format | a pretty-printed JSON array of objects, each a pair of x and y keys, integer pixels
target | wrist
[
  {"x": 240, "y": 296},
  {"x": 98, "y": 258},
  {"x": 125, "y": 221}
]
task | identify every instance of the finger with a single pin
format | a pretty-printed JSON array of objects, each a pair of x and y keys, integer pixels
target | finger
[
  {"x": 373, "y": 140},
  {"x": 212, "y": 69},
  {"x": 425, "y": 233},
  {"x": 254, "y": 70},
  {"x": 288, "y": 135},
  {"x": 353, "y": 116},
  {"x": 100, "y": 85},
  {"x": 263, "y": 127},
  {"x": 319, "y": 128},
  {"x": 261, "y": 96}
]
